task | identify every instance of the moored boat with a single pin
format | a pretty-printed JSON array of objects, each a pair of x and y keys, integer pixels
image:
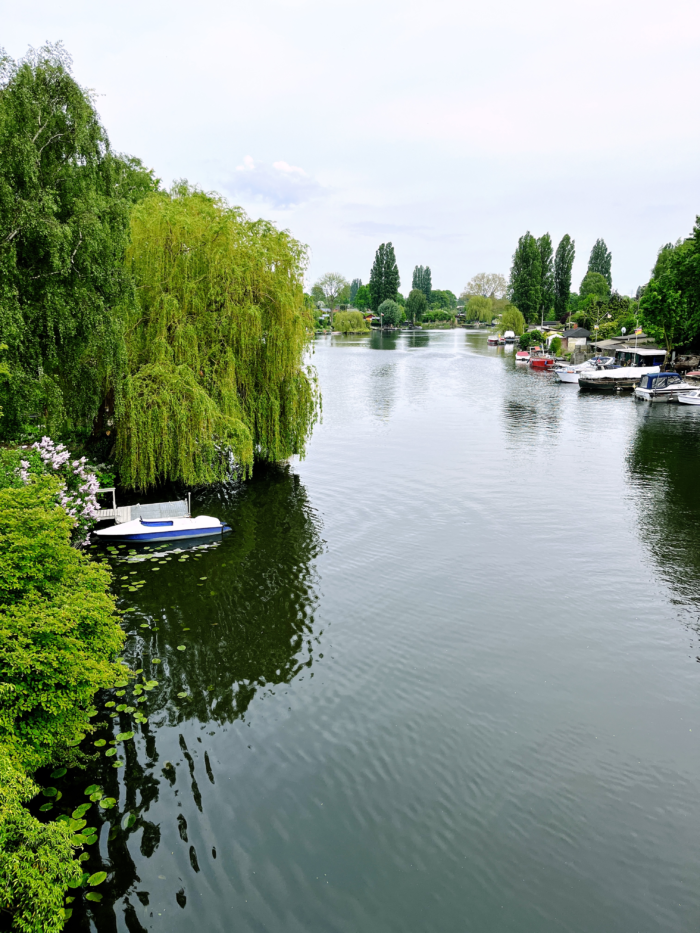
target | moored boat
[
  {"x": 495, "y": 340},
  {"x": 149, "y": 530},
  {"x": 629, "y": 367},
  {"x": 571, "y": 374},
  {"x": 522, "y": 356},
  {"x": 540, "y": 359},
  {"x": 662, "y": 387},
  {"x": 690, "y": 398}
]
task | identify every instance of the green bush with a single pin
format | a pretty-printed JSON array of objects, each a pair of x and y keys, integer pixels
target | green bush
[
  {"x": 555, "y": 346},
  {"x": 59, "y": 641},
  {"x": 435, "y": 315},
  {"x": 391, "y": 312},
  {"x": 350, "y": 322}
]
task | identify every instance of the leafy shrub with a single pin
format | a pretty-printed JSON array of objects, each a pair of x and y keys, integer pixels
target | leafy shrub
[
  {"x": 350, "y": 322},
  {"x": 59, "y": 641},
  {"x": 390, "y": 312},
  {"x": 555, "y": 346},
  {"x": 437, "y": 314}
]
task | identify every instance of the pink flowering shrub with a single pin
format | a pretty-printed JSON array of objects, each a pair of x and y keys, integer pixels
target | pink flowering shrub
[{"x": 79, "y": 480}]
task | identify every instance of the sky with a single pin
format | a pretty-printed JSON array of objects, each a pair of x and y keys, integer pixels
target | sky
[{"x": 447, "y": 128}]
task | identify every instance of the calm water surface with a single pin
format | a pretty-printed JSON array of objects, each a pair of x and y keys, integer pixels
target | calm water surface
[{"x": 442, "y": 676}]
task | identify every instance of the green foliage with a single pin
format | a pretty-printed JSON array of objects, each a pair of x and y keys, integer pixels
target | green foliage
[
  {"x": 416, "y": 304},
  {"x": 363, "y": 298},
  {"x": 600, "y": 261},
  {"x": 595, "y": 285},
  {"x": 512, "y": 319},
  {"x": 443, "y": 298},
  {"x": 555, "y": 346},
  {"x": 532, "y": 338},
  {"x": 434, "y": 315},
  {"x": 525, "y": 290},
  {"x": 57, "y": 621},
  {"x": 36, "y": 859},
  {"x": 384, "y": 278},
  {"x": 423, "y": 281},
  {"x": 215, "y": 342},
  {"x": 355, "y": 285},
  {"x": 350, "y": 322},
  {"x": 487, "y": 284},
  {"x": 59, "y": 639},
  {"x": 544, "y": 245},
  {"x": 563, "y": 264},
  {"x": 390, "y": 312},
  {"x": 65, "y": 199},
  {"x": 479, "y": 308},
  {"x": 670, "y": 305},
  {"x": 334, "y": 287}
]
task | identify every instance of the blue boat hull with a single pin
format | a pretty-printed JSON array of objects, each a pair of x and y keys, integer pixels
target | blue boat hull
[{"x": 170, "y": 535}]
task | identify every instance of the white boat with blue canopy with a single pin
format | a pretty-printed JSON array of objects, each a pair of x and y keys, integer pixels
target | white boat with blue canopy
[
  {"x": 662, "y": 387},
  {"x": 142, "y": 530}
]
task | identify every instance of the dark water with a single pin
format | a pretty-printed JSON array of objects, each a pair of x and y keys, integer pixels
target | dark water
[{"x": 442, "y": 676}]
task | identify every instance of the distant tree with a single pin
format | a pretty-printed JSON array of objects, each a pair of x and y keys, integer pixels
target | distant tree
[
  {"x": 416, "y": 305},
  {"x": 331, "y": 286},
  {"x": 390, "y": 312},
  {"x": 423, "y": 280},
  {"x": 479, "y": 308},
  {"x": 318, "y": 295},
  {"x": 596, "y": 285},
  {"x": 601, "y": 260},
  {"x": 488, "y": 284},
  {"x": 544, "y": 244},
  {"x": 512, "y": 319},
  {"x": 563, "y": 264},
  {"x": 670, "y": 303},
  {"x": 354, "y": 286},
  {"x": 443, "y": 298},
  {"x": 526, "y": 277},
  {"x": 384, "y": 278},
  {"x": 363, "y": 298}
]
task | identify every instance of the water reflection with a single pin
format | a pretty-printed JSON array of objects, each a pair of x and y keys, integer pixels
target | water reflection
[
  {"x": 664, "y": 465},
  {"x": 211, "y": 626}
]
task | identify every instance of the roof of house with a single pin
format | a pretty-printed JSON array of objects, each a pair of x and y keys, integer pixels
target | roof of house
[{"x": 577, "y": 332}]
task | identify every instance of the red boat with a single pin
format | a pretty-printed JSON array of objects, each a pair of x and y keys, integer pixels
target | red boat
[{"x": 540, "y": 359}]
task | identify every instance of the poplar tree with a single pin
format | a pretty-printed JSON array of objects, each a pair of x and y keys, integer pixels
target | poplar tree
[
  {"x": 422, "y": 280},
  {"x": 525, "y": 288},
  {"x": 384, "y": 278},
  {"x": 563, "y": 264},
  {"x": 355, "y": 286},
  {"x": 544, "y": 244},
  {"x": 601, "y": 261}
]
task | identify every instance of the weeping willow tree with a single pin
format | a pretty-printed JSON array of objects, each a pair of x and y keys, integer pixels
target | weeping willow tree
[{"x": 215, "y": 341}]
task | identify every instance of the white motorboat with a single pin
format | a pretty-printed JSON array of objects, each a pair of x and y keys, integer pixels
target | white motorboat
[
  {"x": 495, "y": 340},
  {"x": 522, "y": 356},
  {"x": 690, "y": 398},
  {"x": 509, "y": 336},
  {"x": 147, "y": 530},
  {"x": 628, "y": 368},
  {"x": 662, "y": 387},
  {"x": 571, "y": 373}
]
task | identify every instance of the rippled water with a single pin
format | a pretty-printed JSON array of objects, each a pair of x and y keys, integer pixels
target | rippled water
[{"x": 442, "y": 676}]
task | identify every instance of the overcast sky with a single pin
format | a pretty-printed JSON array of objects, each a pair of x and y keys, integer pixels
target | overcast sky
[{"x": 449, "y": 128}]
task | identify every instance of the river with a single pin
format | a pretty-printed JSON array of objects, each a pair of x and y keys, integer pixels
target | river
[{"x": 442, "y": 675}]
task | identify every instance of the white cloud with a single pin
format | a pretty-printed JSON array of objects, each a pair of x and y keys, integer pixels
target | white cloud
[{"x": 280, "y": 185}]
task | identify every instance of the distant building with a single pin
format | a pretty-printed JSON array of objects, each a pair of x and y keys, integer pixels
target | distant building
[{"x": 575, "y": 337}]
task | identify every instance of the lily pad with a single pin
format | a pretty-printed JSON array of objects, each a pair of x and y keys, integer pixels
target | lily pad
[
  {"x": 120, "y": 693},
  {"x": 91, "y": 840},
  {"x": 76, "y": 741},
  {"x": 45, "y": 807},
  {"x": 92, "y": 789},
  {"x": 80, "y": 811},
  {"x": 110, "y": 752},
  {"x": 93, "y": 896},
  {"x": 107, "y": 803},
  {"x": 67, "y": 912},
  {"x": 84, "y": 856},
  {"x": 183, "y": 694},
  {"x": 110, "y": 703},
  {"x": 156, "y": 661},
  {"x": 58, "y": 773},
  {"x": 181, "y": 647},
  {"x": 90, "y": 831},
  {"x": 77, "y": 825},
  {"x": 128, "y": 820},
  {"x": 100, "y": 742},
  {"x": 97, "y": 878},
  {"x": 202, "y": 578},
  {"x": 124, "y": 736},
  {"x": 121, "y": 708},
  {"x": 96, "y": 796},
  {"x": 118, "y": 764},
  {"x": 49, "y": 791}
]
